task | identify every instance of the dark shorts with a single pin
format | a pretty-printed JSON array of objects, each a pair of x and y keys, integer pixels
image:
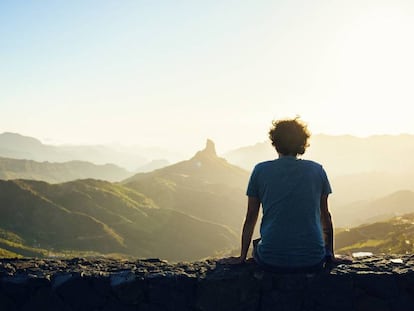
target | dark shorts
[{"x": 306, "y": 269}]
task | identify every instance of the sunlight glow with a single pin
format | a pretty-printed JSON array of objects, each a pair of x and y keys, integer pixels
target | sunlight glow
[{"x": 173, "y": 75}]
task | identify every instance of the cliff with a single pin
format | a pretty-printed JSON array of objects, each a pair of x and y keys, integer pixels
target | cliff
[{"x": 374, "y": 283}]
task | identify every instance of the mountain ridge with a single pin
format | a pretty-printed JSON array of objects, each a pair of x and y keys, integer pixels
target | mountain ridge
[
  {"x": 341, "y": 154},
  {"x": 17, "y": 146},
  {"x": 102, "y": 217},
  {"x": 368, "y": 211},
  {"x": 205, "y": 186},
  {"x": 59, "y": 172}
]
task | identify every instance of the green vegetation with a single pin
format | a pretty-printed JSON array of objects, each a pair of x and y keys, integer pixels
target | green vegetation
[
  {"x": 183, "y": 212},
  {"x": 187, "y": 211},
  {"x": 61, "y": 219},
  {"x": 206, "y": 187},
  {"x": 21, "y": 250},
  {"x": 7, "y": 254},
  {"x": 393, "y": 236}
]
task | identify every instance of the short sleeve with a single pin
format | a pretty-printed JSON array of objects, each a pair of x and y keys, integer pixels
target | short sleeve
[
  {"x": 326, "y": 186},
  {"x": 252, "y": 187}
]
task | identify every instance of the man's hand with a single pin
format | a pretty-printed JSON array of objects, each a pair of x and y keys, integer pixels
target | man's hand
[
  {"x": 232, "y": 260},
  {"x": 253, "y": 206}
]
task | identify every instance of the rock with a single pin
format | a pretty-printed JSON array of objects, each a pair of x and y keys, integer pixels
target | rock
[
  {"x": 79, "y": 293},
  {"x": 60, "y": 279},
  {"x": 44, "y": 299},
  {"x": 369, "y": 283},
  {"x": 210, "y": 147},
  {"x": 6, "y": 303},
  {"x": 122, "y": 277}
]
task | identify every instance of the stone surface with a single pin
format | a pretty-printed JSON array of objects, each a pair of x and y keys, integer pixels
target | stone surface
[{"x": 372, "y": 283}]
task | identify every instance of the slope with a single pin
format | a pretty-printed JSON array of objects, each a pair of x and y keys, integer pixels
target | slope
[
  {"x": 369, "y": 211},
  {"x": 43, "y": 223},
  {"x": 98, "y": 216},
  {"x": 206, "y": 186},
  {"x": 394, "y": 236}
]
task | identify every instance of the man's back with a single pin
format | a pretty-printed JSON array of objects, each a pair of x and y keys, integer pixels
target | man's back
[
  {"x": 294, "y": 197},
  {"x": 290, "y": 191}
]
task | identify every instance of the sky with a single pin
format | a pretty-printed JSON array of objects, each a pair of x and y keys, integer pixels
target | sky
[{"x": 173, "y": 73}]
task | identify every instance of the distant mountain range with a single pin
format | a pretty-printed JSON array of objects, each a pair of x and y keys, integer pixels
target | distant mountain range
[
  {"x": 16, "y": 146},
  {"x": 153, "y": 165},
  {"x": 186, "y": 211},
  {"x": 342, "y": 155},
  {"x": 363, "y": 187},
  {"x": 370, "y": 211},
  {"x": 59, "y": 172},
  {"x": 359, "y": 169}
]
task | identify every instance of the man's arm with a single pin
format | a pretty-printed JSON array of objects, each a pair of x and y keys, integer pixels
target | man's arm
[
  {"x": 253, "y": 207},
  {"x": 328, "y": 235},
  {"x": 327, "y": 226}
]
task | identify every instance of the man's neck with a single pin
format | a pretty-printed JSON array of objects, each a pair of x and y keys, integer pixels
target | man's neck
[{"x": 281, "y": 155}]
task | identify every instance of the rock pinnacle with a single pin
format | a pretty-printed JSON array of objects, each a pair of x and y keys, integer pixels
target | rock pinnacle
[{"x": 210, "y": 147}]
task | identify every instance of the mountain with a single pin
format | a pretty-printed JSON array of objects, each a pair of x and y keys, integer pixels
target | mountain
[
  {"x": 395, "y": 204},
  {"x": 205, "y": 186},
  {"x": 153, "y": 165},
  {"x": 16, "y": 146},
  {"x": 186, "y": 211},
  {"x": 393, "y": 236},
  {"x": 359, "y": 169},
  {"x": 101, "y": 217},
  {"x": 247, "y": 157},
  {"x": 368, "y": 186},
  {"x": 59, "y": 172},
  {"x": 342, "y": 155}
]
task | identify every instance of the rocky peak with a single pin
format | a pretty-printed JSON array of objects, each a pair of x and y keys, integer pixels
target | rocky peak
[
  {"x": 208, "y": 152},
  {"x": 210, "y": 148}
]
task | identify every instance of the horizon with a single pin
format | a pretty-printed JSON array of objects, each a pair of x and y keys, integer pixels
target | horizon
[
  {"x": 174, "y": 74},
  {"x": 183, "y": 154}
]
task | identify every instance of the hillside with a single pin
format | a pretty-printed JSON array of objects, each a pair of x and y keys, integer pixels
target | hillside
[
  {"x": 59, "y": 172},
  {"x": 394, "y": 236},
  {"x": 206, "y": 187},
  {"x": 152, "y": 165},
  {"x": 98, "y": 216},
  {"x": 368, "y": 186},
  {"x": 369, "y": 211}
]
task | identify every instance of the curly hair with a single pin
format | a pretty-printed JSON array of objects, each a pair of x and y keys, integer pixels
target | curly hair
[{"x": 289, "y": 136}]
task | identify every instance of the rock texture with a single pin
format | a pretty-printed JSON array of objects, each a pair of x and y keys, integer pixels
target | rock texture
[{"x": 373, "y": 283}]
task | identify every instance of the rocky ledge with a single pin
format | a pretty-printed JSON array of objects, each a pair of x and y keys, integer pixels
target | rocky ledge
[{"x": 372, "y": 283}]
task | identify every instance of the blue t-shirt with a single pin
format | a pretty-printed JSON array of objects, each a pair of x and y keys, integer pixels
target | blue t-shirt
[{"x": 290, "y": 190}]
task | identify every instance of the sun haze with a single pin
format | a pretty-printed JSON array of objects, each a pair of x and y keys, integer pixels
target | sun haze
[{"x": 170, "y": 73}]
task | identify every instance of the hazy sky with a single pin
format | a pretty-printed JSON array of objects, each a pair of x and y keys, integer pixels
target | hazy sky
[{"x": 172, "y": 73}]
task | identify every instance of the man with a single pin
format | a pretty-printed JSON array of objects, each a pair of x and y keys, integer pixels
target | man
[{"x": 296, "y": 229}]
